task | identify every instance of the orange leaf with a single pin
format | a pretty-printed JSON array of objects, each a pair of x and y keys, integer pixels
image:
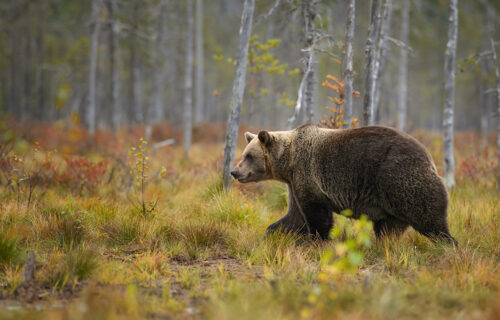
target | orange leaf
[
  {"x": 336, "y": 60},
  {"x": 334, "y": 87},
  {"x": 329, "y": 76},
  {"x": 356, "y": 94}
]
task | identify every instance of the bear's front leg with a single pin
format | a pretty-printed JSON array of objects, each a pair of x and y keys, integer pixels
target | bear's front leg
[{"x": 292, "y": 221}]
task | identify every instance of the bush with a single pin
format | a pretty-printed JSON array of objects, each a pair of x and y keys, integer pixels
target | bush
[
  {"x": 76, "y": 265},
  {"x": 8, "y": 249}
]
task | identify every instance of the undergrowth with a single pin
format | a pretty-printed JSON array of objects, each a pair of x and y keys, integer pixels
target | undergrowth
[{"x": 202, "y": 251}]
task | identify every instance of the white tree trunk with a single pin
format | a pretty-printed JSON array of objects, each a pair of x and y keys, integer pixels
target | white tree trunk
[
  {"x": 484, "y": 100},
  {"x": 497, "y": 78},
  {"x": 403, "y": 66},
  {"x": 160, "y": 61},
  {"x": 238, "y": 90},
  {"x": 155, "y": 112},
  {"x": 94, "y": 42},
  {"x": 449, "y": 87},
  {"x": 371, "y": 63},
  {"x": 348, "y": 72},
  {"x": 382, "y": 57},
  {"x": 294, "y": 121},
  {"x": 200, "y": 99},
  {"x": 114, "y": 67},
  {"x": 188, "y": 84},
  {"x": 309, "y": 13}
]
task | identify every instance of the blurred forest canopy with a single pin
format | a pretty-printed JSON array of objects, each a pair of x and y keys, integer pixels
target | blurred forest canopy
[{"x": 141, "y": 60}]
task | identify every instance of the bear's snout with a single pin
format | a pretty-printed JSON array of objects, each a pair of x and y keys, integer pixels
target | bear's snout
[{"x": 234, "y": 173}]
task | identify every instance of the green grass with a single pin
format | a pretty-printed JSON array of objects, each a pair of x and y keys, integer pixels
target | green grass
[{"x": 202, "y": 254}]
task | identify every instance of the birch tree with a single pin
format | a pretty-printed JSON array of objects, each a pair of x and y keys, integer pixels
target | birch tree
[
  {"x": 305, "y": 95},
  {"x": 485, "y": 71},
  {"x": 449, "y": 87},
  {"x": 348, "y": 72},
  {"x": 94, "y": 42},
  {"x": 497, "y": 81},
  {"x": 155, "y": 111},
  {"x": 381, "y": 62},
  {"x": 309, "y": 14},
  {"x": 199, "y": 93},
  {"x": 371, "y": 60},
  {"x": 188, "y": 80},
  {"x": 238, "y": 90},
  {"x": 114, "y": 67},
  {"x": 403, "y": 66},
  {"x": 135, "y": 76}
]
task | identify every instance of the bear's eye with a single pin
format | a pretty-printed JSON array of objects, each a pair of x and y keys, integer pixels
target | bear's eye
[{"x": 249, "y": 157}]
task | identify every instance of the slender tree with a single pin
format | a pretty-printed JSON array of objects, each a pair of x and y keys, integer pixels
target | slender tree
[
  {"x": 94, "y": 42},
  {"x": 309, "y": 15},
  {"x": 403, "y": 66},
  {"x": 371, "y": 61},
  {"x": 114, "y": 67},
  {"x": 382, "y": 48},
  {"x": 305, "y": 95},
  {"x": 155, "y": 112},
  {"x": 135, "y": 74},
  {"x": 497, "y": 81},
  {"x": 200, "y": 101},
  {"x": 238, "y": 90},
  {"x": 188, "y": 80},
  {"x": 348, "y": 72},
  {"x": 449, "y": 87},
  {"x": 485, "y": 71}
]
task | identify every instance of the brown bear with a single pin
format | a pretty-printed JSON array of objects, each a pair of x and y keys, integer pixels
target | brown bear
[{"x": 377, "y": 171}]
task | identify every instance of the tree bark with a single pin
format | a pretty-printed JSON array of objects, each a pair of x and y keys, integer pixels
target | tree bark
[
  {"x": 200, "y": 98},
  {"x": 484, "y": 100},
  {"x": 449, "y": 87},
  {"x": 348, "y": 72},
  {"x": 403, "y": 66},
  {"x": 114, "y": 67},
  {"x": 497, "y": 81},
  {"x": 94, "y": 42},
  {"x": 295, "y": 120},
  {"x": 371, "y": 61},
  {"x": 238, "y": 90},
  {"x": 309, "y": 14},
  {"x": 155, "y": 112},
  {"x": 382, "y": 57},
  {"x": 188, "y": 84}
]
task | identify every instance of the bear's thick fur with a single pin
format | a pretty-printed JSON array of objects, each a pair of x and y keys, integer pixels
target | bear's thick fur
[{"x": 377, "y": 171}]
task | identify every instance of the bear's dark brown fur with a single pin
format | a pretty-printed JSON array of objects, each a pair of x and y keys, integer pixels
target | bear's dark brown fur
[{"x": 377, "y": 171}]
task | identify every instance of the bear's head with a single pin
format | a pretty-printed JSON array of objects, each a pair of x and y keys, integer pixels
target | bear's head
[{"x": 260, "y": 157}]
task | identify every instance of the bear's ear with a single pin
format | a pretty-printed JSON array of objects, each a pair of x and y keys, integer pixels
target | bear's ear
[
  {"x": 265, "y": 138},
  {"x": 249, "y": 136}
]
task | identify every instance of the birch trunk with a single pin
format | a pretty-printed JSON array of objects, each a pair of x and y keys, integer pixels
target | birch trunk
[
  {"x": 371, "y": 61},
  {"x": 485, "y": 71},
  {"x": 155, "y": 112},
  {"x": 114, "y": 67},
  {"x": 94, "y": 42},
  {"x": 238, "y": 90},
  {"x": 449, "y": 87},
  {"x": 135, "y": 83},
  {"x": 188, "y": 84},
  {"x": 200, "y": 99},
  {"x": 382, "y": 57},
  {"x": 403, "y": 66},
  {"x": 348, "y": 72},
  {"x": 497, "y": 81},
  {"x": 309, "y": 12}
]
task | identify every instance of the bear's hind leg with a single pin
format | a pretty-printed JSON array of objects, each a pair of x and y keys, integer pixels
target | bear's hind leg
[{"x": 389, "y": 226}]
